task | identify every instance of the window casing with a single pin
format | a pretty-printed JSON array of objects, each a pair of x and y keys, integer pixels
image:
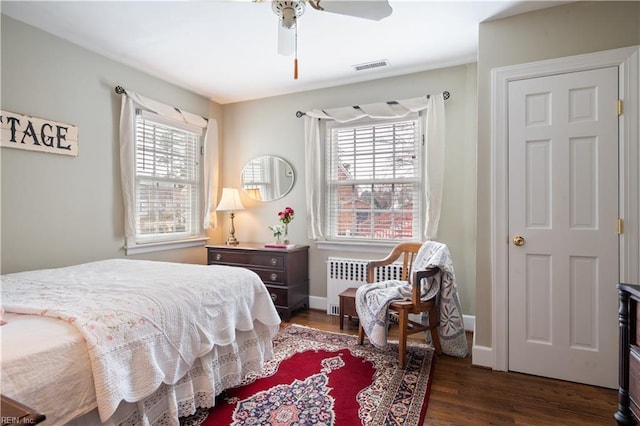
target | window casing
[
  {"x": 373, "y": 180},
  {"x": 168, "y": 179}
]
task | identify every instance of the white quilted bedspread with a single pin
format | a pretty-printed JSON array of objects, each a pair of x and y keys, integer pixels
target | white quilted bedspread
[{"x": 145, "y": 322}]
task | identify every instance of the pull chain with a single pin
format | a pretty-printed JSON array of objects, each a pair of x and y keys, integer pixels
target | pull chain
[{"x": 295, "y": 60}]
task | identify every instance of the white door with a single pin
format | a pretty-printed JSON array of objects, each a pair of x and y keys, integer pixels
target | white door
[{"x": 563, "y": 202}]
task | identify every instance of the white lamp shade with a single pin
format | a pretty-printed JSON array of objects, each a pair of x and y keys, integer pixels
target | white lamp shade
[{"x": 230, "y": 200}]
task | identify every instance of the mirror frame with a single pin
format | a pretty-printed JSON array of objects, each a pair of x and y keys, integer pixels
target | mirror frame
[{"x": 265, "y": 196}]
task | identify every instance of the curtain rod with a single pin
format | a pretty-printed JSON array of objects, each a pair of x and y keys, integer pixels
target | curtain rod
[
  {"x": 446, "y": 95},
  {"x": 121, "y": 91}
]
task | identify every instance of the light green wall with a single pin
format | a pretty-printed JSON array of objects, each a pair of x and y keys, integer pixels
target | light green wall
[
  {"x": 566, "y": 30},
  {"x": 59, "y": 210},
  {"x": 269, "y": 126}
]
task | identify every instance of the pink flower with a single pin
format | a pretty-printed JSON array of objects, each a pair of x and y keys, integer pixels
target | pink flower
[{"x": 286, "y": 215}]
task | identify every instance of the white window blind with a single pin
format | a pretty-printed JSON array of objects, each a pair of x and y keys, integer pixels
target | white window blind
[
  {"x": 373, "y": 180},
  {"x": 168, "y": 179}
]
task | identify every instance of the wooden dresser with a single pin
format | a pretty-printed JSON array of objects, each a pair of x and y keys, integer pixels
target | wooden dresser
[
  {"x": 285, "y": 272},
  {"x": 629, "y": 359}
]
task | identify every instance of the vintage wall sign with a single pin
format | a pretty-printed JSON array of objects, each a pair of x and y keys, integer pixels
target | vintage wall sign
[{"x": 38, "y": 134}]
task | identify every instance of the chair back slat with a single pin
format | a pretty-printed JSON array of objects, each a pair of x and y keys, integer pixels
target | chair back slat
[{"x": 407, "y": 251}]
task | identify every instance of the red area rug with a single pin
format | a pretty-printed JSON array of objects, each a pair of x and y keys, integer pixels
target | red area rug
[{"x": 323, "y": 378}]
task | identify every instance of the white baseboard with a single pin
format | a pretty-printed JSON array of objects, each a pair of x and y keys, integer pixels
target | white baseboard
[
  {"x": 482, "y": 356},
  {"x": 469, "y": 322},
  {"x": 319, "y": 303}
]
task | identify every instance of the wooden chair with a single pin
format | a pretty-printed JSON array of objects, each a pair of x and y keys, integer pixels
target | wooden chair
[{"x": 402, "y": 309}]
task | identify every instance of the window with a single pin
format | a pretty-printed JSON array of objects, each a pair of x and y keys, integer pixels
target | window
[
  {"x": 373, "y": 180},
  {"x": 168, "y": 179}
]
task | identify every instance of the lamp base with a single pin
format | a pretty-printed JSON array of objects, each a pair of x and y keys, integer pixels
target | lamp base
[{"x": 231, "y": 241}]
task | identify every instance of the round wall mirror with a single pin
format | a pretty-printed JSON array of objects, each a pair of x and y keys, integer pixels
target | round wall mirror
[{"x": 267, "y": 178}]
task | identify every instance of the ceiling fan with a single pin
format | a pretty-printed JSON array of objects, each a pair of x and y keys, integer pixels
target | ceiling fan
[{"x": 289, "y": 11}]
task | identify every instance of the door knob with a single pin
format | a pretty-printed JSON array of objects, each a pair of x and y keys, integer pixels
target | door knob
[{"x": 518, "y": 241}]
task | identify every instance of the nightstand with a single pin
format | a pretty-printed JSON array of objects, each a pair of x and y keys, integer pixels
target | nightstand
[
  {"x": 285, "y": 272},
  {"x": 348, "y": 305}
]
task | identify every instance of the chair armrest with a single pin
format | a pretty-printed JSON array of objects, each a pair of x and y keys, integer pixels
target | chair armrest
[
  {"x": 416, "y": 283},
  {"x": 373, "y": 264}
]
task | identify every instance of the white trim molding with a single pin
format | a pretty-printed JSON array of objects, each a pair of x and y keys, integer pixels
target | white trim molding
[{"x": 628, "y": 62}]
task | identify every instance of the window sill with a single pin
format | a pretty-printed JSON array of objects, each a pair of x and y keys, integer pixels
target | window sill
[
  {"x": 356, "y": 246},
  {"x": 165, "y": 245}
]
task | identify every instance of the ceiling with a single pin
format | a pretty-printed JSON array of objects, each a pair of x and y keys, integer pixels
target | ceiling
[{"x": 227, "y": 50}]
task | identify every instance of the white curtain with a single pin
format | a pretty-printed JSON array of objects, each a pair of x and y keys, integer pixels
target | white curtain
[
  {"x": 211, "y": 175},
  {"x": 431, "y": 109},
  {"x": 314, "y": 178},
  {"x": 433, "y": 160},
  {"x": 131, "y": 101}
]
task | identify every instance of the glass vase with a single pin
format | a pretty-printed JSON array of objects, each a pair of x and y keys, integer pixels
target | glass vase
[{"x": 285, "y": 238}]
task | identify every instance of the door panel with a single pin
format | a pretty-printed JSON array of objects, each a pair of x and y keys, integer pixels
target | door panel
[{"x": 563, "y": 201}]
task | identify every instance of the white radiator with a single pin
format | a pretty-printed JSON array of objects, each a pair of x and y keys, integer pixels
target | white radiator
[{"x": 344, "y": 273}]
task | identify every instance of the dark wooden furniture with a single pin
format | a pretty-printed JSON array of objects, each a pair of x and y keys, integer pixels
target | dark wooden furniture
[
  {"x": 408, "y": 252},
  {"x": 347, "y": 305},
  {"x": 629, "y": 356},
  {"x": 285, "y": 272},
  {"x": 14, "y": 413}
]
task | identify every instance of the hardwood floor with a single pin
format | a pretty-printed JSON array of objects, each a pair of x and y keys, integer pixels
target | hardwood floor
[{"x": 462, "y": 394}]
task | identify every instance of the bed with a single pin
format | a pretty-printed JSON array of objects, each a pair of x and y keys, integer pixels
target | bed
[{"x": 130, "y": 341}]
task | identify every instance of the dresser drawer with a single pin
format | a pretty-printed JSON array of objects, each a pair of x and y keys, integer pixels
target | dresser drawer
[
  {"x": 279, "y": 295},
  {"x": 269, "y": 260},
  {"x": 270, "y": 276}
]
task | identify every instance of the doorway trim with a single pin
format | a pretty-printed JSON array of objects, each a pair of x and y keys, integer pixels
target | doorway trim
[{"x": 628, "y": 61}]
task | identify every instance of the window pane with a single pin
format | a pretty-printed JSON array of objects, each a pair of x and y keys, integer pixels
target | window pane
[
  {"x": 167, "y": 181},
  {"x": 384, "y": 211},
  {"x": 164, "y": 208},
  {"x": 374, "y": 181}
]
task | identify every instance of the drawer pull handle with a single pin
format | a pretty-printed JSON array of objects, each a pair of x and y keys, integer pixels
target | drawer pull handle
[
  {"x": 274, "y": 261},
  {"x": 274, "y": 297},
  {"x": 218, "y": 257},
  {"x": 274, "y": 277}
]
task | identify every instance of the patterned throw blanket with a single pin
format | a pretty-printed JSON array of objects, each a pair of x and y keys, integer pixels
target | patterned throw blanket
[
  {"x": 145, "y": 322},
  {"x": 373, "y": 300}
]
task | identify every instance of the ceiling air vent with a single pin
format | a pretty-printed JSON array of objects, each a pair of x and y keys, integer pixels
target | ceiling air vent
[{"x": 371, "y": 65}]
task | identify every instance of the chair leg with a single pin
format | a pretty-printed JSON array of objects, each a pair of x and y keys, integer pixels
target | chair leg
[
  {"x": 403, "y": 323},
  {"x": 360, "y": 334},
  {"x": 433, "y": 324}
]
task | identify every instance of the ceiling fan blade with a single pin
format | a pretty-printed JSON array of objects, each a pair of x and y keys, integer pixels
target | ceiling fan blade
[
  {"x": 286, "y": 40},
  {"x": 367, "y": 9}
]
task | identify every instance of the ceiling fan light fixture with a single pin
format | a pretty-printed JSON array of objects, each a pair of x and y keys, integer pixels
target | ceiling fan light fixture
[{"x": 288, "y": 11}]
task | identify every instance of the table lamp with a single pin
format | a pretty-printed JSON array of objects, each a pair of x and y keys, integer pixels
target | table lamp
[{"x": 230, "y": 202}]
